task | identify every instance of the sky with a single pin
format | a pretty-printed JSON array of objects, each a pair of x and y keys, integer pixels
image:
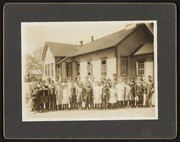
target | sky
[{"x": 35, "y": 34}]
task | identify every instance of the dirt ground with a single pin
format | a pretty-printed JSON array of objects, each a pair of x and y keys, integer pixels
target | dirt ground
[{"x": 118, "y": 114}]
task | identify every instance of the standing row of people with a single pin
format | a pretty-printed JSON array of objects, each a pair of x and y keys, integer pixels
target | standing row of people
[{"x": 102, "y": 94}]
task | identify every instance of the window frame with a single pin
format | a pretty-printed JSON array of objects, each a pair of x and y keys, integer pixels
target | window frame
[
  {"x": 52, "y": 69},
  {"x": 102, "y": 72},
  {"x": 89, "y": 71},
  {"x": 142, "y": 69}
]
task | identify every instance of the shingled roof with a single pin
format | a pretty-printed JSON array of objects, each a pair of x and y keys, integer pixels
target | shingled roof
[
  {"x": 63, "y": 50},
  {"x": 59, "y": 49}
]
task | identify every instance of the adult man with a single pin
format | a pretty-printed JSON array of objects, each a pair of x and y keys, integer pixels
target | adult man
[
  {"x": 33, "y": 87},
  {"x": 88, "y": 94},
  {"x": 149, "y": 88},
  {"x": 105, "y": 95},
  {"x": 139, "y": 92}
]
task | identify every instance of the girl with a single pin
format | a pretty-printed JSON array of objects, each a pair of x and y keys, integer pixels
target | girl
[
  {"x": 113, "y": 96},
  {"x": 97, "y": 95},
  {"x": 65, "y": 97}
]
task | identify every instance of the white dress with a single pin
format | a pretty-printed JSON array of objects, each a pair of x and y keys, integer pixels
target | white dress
[
  {"x": 121, "y": 90},
  {"x": 65, "y": 96},
  {"x": 112, "y": 96},
  {"x": 128, "y": 93},
  {"x": 97, "y": 94},
  {"x": 59, "y": 92}
]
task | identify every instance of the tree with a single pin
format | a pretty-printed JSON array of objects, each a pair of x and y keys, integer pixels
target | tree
[{"x": 33, "y": 62}]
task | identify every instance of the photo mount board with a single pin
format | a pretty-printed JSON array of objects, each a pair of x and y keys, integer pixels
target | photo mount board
[{"x": 164, "y": 127}]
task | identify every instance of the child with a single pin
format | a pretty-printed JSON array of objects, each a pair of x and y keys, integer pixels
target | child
[
  {"x": 65, "y": 97},
  {"x": 97, "y": 95}
]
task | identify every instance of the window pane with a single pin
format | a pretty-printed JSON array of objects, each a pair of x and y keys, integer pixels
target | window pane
[
  {"x": 140, "y": 68},
  {"x": 124, "y": 66}
]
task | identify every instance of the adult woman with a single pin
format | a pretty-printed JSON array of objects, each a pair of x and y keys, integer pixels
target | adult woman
[
  {"x": 65, "y": 97},
  {"x": 128, "y": 95},
  {"x": 121, "y": 91},
  {"x": 59, "y": 92},
  {"x": 112, "y": 96}
]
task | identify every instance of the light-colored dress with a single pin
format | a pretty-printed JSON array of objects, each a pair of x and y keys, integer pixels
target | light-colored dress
[
  {"x": 97, "y": 94},
  {"x": 112, "y": 96},
  {"x": 59, "y": 92},
  {"x": 128, "y": 95},
  {"x": 65, "y": 98},
  {"x": 121, "y": 91}
]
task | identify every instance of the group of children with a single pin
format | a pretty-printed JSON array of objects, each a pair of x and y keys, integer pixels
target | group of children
[{"x": 103, "y": 94}]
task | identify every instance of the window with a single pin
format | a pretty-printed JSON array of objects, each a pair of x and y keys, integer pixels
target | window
[
  {"x": 103, "y": 67},
  {"x": 89, "y": 68},
  {"x": 140, "y": 68},
  {"x": 45, "y": 70},
  {"x": 48, "y": 69},
  {"x": 124, "y": 66},
  {"x": 78, "y": 68},
  {"x": 52, "y": 69}
]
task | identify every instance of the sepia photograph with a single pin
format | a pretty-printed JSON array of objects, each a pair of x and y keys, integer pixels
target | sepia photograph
[{"x": 89, "y": 71}]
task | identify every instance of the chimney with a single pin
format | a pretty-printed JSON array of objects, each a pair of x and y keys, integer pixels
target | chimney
[
  {"x": 92, "y": 38},
  {"x": 81, "y": 42}
]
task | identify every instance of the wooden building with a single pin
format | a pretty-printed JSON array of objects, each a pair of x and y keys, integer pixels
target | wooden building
[{"x": 129, "y": 52}]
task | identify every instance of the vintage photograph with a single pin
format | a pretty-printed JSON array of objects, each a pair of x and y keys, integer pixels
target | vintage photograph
[{"x": 83, "y": 71}]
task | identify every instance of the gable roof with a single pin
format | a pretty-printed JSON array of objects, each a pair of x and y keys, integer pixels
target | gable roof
[
  {"x": 104, "y": 42},
  {"x": 59, "y": 49},
  {"x": 146, "y": 48},
  {"x": 64, "y": 50}
]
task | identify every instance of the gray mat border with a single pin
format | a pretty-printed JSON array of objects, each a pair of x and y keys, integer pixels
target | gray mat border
[{"x": 164, "y": 127}]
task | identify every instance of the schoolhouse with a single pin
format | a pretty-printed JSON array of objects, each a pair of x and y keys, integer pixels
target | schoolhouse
[{"x": 128, "y": 53}]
